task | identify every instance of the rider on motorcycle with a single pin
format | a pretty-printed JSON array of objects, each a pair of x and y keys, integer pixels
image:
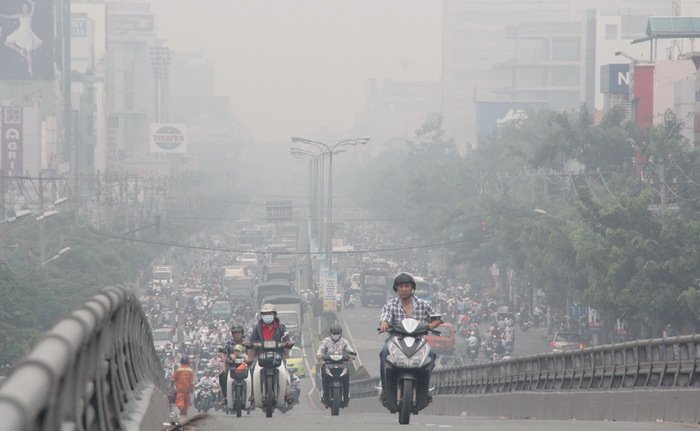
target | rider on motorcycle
[
  {"x": 207, "y": 380},
  {"x": 405, "y": 305},
  {"x": 269, "y": 327},
  {"x": 335, "y": 343},
  {"x": 237, "y": 339}
]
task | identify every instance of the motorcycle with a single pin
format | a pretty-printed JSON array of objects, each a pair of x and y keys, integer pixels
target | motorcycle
[
  {"x": 294, "y": 385},
  {"x": 272, "y": 380},
  {"x": 238, "y": 386},
  {"x": 205, "y": 398},
  {"x": 335, "y": 367},
  {"x": 407, "y": 369},
  {"x": 350, "y": 303}
]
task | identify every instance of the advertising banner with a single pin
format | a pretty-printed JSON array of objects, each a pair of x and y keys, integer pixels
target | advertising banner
[
  {"x": 168, "y": 138},
  {"x": 491, "y": 115},
  {"x": 329, "y": 279},
  {"x": 130, "y": 23},
  {"x": 26, "y": 40},
  {"x": 11, "y": 140},
  {"x": 615, "y": 78}
]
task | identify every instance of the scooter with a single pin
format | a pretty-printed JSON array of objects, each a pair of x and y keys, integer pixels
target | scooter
[
  {"x": 238, "y": 386},
  {"x": 272, "y": 378},
  {"x": 206, "y": 398},
  {"x": 407, "y": 369},
  {"x": 335, "y": 367}
]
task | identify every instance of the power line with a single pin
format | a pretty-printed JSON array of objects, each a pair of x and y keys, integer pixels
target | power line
[{"x": 298, "y": 253}]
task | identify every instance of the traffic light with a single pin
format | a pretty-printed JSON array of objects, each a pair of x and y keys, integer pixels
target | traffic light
[{"x": 157, "y": 224}]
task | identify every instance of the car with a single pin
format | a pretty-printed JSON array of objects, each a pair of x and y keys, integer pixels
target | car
[
  {"x": 445, "y": 342},
  {"x": 566, "y": 340},
  {"x": 296, "y": 360}
]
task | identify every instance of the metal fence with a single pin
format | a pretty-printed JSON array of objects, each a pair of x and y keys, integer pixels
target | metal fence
[
  {"x": 665, "y": 363},
  {"x": 86, "y": 371}
]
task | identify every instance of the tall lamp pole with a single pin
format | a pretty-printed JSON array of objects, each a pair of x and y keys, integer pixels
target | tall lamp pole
[{"x": 330, "y": 148}]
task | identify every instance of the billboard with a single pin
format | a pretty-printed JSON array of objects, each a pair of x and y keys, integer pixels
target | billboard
[
  {"x": 492, "y": 115},
  {"x": 168, "y": 138},
  {"x": 26, "y": 40},
  {"x": 11, "y": 140},
  {"x": 130, "y": 23},
  {"x": 615, "y": 78}
]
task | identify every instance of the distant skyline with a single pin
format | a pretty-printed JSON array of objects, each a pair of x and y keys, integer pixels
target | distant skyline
[{"x": 293, "y": 67}]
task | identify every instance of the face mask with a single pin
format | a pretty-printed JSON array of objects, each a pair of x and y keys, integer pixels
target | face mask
[
  {"x": 335, "y": 337},
  {"x": 268, "y": 318}
]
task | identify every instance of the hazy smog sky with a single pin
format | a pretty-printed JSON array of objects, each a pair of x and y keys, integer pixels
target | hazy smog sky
[{"x": 294, "y": 67}]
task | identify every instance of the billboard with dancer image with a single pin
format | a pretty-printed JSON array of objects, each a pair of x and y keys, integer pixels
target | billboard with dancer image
[{"x": 26, "y": 39}]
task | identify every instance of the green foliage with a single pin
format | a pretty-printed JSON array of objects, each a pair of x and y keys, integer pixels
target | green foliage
[{"x": 600, "y": 244}]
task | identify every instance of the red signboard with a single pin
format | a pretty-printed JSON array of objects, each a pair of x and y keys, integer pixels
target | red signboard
[
  {"x": 11, "y": 140},
  {"x": 643, "y": 81}
]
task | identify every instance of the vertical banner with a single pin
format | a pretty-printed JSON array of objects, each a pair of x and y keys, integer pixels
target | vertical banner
[
  {"x": 11, "y": 140},
  {"x": 26, "y": 39},
  {"x": 329, "y": 280}
]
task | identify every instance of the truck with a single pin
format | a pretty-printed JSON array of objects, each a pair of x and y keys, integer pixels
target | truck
[
  {"x": 238, "y": 285},
  {"x": 289, "y": 311},
  {"x": 162, "y": 278},
  {"x": 374, "y": 287},
  {"x": 272, "y": 288}
]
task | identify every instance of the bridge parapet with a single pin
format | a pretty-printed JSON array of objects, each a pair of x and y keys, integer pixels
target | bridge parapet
[
  {"x": 663, "y": 363},
  {"x": 92, "y": 370}
]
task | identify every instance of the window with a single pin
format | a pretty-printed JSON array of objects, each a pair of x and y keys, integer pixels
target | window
[
  {"x": 611, "y": 32},
  {"x": 566, "y": 49}
]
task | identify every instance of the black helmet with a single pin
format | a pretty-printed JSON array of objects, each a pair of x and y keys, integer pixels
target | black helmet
[
  {"x": 237, "y": 328},
  {"x": 184, "y": 360},
  {"x": 404, "y": 278},
  {"x": 336, "y": 329}
]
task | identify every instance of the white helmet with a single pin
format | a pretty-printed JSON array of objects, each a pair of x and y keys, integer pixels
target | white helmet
[{"x": 268, "y": 308}]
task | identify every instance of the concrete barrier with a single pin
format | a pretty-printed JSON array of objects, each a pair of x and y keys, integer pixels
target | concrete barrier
[{"x": 676, "y": 405}]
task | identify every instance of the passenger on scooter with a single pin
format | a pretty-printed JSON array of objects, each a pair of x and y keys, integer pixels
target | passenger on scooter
[
  {"x": 269, "y": 327},
  {"x": 405, "y": 305},
  {"x": 335, "y": 343},
  {"x": 237, "y": 338}
]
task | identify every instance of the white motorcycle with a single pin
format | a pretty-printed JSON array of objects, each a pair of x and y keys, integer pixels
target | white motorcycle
[
  {"x": 270, "y": 377},
  {"x": 239, "y": 386},
  {"x": 407, "y": 369}
]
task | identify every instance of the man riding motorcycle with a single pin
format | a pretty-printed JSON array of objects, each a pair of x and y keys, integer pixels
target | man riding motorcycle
[
  {"x": 207, "y": 380},
  {"x": 405, "y": 305},
  {"x": 335, "y": 343},
  {"x": 269, "y": 327}
]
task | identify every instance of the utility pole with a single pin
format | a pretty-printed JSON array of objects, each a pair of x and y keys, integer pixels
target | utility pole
[{"x": 662, "y": 187}]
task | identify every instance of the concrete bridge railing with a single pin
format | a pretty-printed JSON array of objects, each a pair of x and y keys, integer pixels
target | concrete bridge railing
[
  {"x": 555, "y": 385},
  {"x": 96, "y": 369}
]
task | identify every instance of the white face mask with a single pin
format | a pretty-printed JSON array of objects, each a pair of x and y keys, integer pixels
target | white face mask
[
  {"x": 335, "y": 337},
  {"x": 268, "y": 318}
]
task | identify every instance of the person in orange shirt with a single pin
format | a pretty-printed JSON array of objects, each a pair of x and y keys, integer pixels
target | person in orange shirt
[{"x": 184, "y": 383}]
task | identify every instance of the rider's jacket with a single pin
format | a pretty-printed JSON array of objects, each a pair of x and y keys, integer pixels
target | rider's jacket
[
  {"x": 328, "y": 345},
  {"x": 276, "y": 332}
]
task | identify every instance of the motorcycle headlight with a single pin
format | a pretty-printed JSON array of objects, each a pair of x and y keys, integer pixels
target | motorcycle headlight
[
  {"x": 336, "y": 357},
  {"x": 397, "y": 357},
  {"x": 421, "y": 358}
]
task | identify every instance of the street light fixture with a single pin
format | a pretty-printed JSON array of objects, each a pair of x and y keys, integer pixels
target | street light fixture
[
  {"x": 330, "y": 148},
  {"x": 56, "y": 256}
]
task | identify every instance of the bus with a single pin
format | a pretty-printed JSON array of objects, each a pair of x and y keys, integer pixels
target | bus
[{"x": 423, "y": 290}]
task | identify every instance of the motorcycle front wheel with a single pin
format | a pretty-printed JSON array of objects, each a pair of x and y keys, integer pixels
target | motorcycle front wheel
[
  {"x": 269, "y": 396},
  {"x": 335, "y": 401},
  {"x": 406, "y": 403},
  {"x": 240, "y": 399}
]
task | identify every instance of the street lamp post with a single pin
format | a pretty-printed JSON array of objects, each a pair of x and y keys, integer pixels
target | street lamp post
[{"x": 329, "y": 149}]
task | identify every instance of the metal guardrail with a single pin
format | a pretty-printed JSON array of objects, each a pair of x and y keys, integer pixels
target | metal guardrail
[
  {"x": 85, "y": 371},
  {"x": 663, "y": 363}
]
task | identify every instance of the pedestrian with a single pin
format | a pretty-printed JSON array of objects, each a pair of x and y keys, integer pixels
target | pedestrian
[{"x": 184, "y": 383}]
